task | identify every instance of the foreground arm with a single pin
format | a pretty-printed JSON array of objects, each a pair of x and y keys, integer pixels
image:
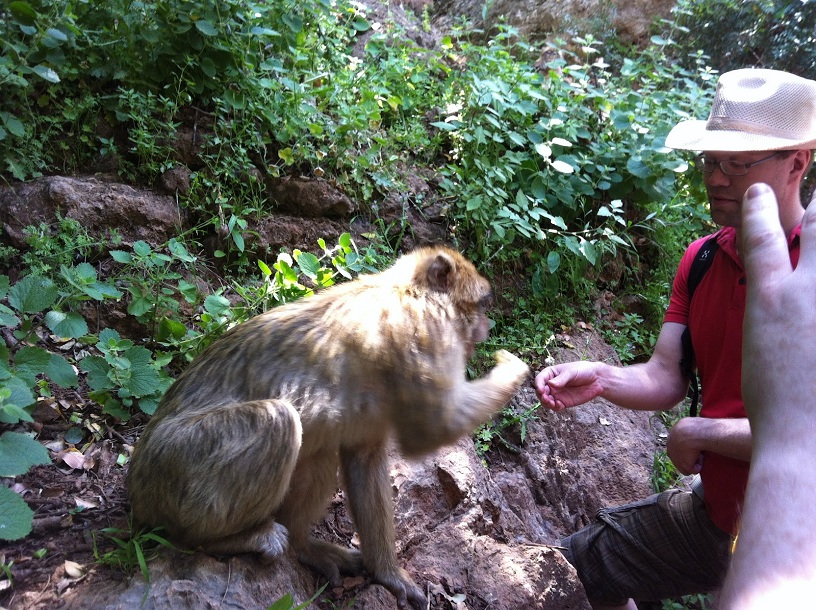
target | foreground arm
[
  {"x": 654, "y": 385},
  {"x": 774, "y": 565}
]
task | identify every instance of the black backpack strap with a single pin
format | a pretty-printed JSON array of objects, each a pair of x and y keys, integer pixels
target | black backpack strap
[{"x": 699, "y": 266}]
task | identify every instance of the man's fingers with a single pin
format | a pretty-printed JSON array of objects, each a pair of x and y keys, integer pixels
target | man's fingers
[
  {"x": 807, "y": 240},
  {"x": 765, "y": 248}
]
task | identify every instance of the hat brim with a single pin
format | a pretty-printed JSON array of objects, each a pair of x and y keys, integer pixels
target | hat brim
[{"x": 693, "y": 135}]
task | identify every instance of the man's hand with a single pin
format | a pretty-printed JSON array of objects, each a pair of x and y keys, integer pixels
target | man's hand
[{"x": 568, "y": 385}]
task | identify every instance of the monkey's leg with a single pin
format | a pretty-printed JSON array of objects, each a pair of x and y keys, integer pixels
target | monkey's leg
[
  {"x": 313, "y": 482},
  {"x": 368, "y": 487},
  {"x": 214, "y": 477}
]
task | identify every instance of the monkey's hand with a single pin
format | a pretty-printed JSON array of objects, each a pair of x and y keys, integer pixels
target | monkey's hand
[
  {"x": 510, "y": 367},
  {"x": 409, "y": 595}
]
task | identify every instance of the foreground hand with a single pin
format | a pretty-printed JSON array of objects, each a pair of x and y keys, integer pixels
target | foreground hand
[{"x": 779, "y": 354}]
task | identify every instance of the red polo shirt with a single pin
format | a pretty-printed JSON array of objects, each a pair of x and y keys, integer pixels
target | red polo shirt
[{"x": 715, "y": 320}]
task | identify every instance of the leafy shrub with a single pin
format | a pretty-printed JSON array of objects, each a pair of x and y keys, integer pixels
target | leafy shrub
[
  {"x": 735, "y": 34},
  {"x": 567, "y": 162}
]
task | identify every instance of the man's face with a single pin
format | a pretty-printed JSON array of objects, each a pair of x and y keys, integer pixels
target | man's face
[{"x": 725, "y": 191}]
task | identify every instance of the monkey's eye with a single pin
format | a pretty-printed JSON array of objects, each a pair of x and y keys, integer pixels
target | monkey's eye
[{"x": 485, "y": 302}]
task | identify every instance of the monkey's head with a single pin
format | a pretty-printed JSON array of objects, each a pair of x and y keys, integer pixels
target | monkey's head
[{"x": 443, "y": 270}]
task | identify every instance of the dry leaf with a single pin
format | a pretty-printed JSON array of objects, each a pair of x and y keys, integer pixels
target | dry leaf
[
  {"x": 74, "y": 459},
  {"x": 74, "y": 570},
  {"x": 86, "y": 503}
]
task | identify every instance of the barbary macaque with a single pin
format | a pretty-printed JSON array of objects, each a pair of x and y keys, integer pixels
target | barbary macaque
[{"x": 243, "y": 452}]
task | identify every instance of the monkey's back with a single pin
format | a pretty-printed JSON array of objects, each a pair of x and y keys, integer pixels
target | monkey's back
[{"x": 334, "y": 348}]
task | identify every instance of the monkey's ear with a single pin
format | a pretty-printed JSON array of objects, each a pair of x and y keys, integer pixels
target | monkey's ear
[{"x": 440, "y": 273}]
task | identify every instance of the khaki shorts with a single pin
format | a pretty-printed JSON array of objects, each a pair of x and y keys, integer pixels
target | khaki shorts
[{"x": 658, "y": 548}]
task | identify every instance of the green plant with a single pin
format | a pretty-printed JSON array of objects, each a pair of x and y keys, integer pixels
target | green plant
[
  {"x": 155, "y": 285},
  {"x": 34, "y": 302},
  {"x": 632, "y": 339},
  {"x": 287, "y": 602},
  {"x": 125, "y": 375},
  {"x": 689, "y": 602},
  {"x": 5, "y": 567},
  {"x": 738, "y": 34},
  {"x": 664, "y": 475},
  {"x": 565, "y": 163},
  {"x": 496, "y": 429},
  {"x": 132, "y": 551},
  {"x": 52, "y": 247}
]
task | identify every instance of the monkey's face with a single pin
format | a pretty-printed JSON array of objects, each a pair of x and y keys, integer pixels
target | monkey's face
[{"x": 478, "y": 324}]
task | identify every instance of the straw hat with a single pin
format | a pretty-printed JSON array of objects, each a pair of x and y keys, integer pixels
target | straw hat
[{"x": 754, "y": 109}]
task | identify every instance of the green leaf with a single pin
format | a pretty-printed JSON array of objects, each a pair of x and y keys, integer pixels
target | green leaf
[
  {"x": 149, "y": 404},
  {"x": 170, "y": 328},
  {"x": 61, "y": 372},
  {"x": 30, "y": 362},
  {"x": 18, "y": 453},
  {"x": 447, "y": 126},
  {"x": 32, "y": 294},
  {"x": 295, "y": 22},
  {"x": 13, "y": 124},
  {"x": 23, "y": 13},
  {"x": 206, "y": 28},
  {"x": 142, "y": 248},
  {"x": 56, "y": 34},
  {"x": 144, "y": 379},
  {"x": 7, "y": 317},
  {"x": 637, "y": 167},
  {"x": 46, "y": 73},
  {"x": 66, "y": 324},
  {"x": 553, "y": 261},
  {"x": 97, "y": 369},
  {"x": 309, "y": 264},
  {"x": 217, "y": 305},
  {"x": 15, "y": 515},
  {"x": 21, "y": 397},
  {"x": 120, "y": 256}
]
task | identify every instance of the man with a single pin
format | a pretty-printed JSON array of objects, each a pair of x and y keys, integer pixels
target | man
[{"x": 761, "y": 128}]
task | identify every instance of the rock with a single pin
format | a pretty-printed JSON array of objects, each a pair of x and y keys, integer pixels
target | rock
[{"x": 99, "y": 206}]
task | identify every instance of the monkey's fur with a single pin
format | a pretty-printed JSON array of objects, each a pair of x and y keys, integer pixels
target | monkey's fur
[{"x": 247, "y": 442}]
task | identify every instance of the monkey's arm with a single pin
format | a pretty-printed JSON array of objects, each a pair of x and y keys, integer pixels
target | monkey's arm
[
  {"x": 459, "y": 409},
  {"x": 367, "y": 484}
]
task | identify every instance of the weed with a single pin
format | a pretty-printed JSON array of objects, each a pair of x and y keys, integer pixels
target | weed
[
  {"x": 156, "y": 286},
  {"x": 52, "y": 247},
  {"x": 132, "y": 551}
]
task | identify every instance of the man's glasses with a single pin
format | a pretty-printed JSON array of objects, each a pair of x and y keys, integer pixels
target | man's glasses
[{"x": 729, "y": 168}]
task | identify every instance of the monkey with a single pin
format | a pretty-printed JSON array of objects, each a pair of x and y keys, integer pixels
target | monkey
[{"x": 242, "y": 454}]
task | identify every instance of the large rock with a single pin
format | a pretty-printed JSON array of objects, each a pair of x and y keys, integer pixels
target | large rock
[{"x": 98, "y": 205}]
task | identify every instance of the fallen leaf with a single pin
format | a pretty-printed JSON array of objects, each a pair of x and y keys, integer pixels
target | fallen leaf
[
  {"x": 83, "y": 504},
  {"x": 73, "y": 569},
  {"x": 74, "y": 459}
]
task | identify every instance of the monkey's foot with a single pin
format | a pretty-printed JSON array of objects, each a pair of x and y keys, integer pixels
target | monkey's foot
[
  {"x": 270, "y": 542},
  {"x": 408, "y": 594},
  {"x": 331, "y": 560}
]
